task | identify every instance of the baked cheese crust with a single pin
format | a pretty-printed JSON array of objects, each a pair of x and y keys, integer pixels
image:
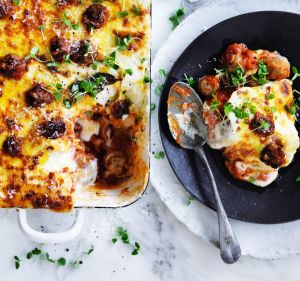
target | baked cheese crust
[{"x": 74, "y": 94}]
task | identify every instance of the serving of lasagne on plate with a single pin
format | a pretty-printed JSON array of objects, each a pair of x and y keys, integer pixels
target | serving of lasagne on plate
[
  {"x": 74, "y": 90},
  {"x": 250, "y": 113}
]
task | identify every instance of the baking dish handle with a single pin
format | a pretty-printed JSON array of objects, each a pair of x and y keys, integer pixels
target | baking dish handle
[{"x": 55, "y": 237}]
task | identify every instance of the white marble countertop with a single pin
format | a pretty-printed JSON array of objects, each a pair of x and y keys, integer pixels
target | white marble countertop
[{"x": 168, "y": 250}]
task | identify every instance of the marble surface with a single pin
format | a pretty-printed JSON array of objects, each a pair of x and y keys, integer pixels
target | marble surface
[{"x": 169, "y": 251}]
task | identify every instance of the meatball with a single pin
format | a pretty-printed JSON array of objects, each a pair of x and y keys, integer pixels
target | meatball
[
  {"x": 208, "y": 85},
  {"x": 95, "y": 16},
  {"x": 278, "y": 66},
  {"x": 38, "y": 96},
  {"x": 52, "y": 129},
  {"x": 272, "y": 154},
  {"x": 12, "y": 146},
  {"x": 11, "y": 66},
  {"x": 120, "y": 108},
  {"x": 83, "y": 52},
  {"x": 59, "y": 48},
  {"x": 5, "y": 8},
  {"x": 238, "y": 55},
  {"x": 262, "y": 125},
  {"x": 115, "y": 167}
]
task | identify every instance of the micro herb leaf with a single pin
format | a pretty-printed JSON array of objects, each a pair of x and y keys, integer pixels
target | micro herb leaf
[
  {"x": 114, "y": 240},
  {"x": 122, "y": 43},
  {"x": 48, "y": 258},
  {"x": 29, "y": 255},
  {"x": 89, "y": 251},
  {"x": 251, "y": 179},
  {"x": 17, "y": 262},
  {"x": 61, "y": 261},
  {"x": 53, "y": 64},
  {"x": 122, "y": 14},
  {"x": 176, "y": 17},
  {"x": 227, "y": 108},
  {"x": 136, "y": 10},
  {"x": 264, "y": 124},
  {"x": 190, "y": 80},
  {"x": 33, "y": 52},
  {"x": 41, "y": 27},
  {"x": 163, "y": 73},
  {"x": 158, "y": 89},
  {"x": 152, "y": 106},
  {"x": 189, "y": 200},
  {"x": 122, "y": 233},
  {"x": 136, "y": 250},
  {"x": 270, "y": 96},
  {"x": 110, "y": 61},
  {"x": 296, "y": 73},
  {"x": 147, "y": 79},
  {"x": 95, "y": 65},
  {"x": 298, "y": 179},
  {"x": 237, "y": 78},
  {"x": 214, "y": 105},
  {"x": 159, "y": 155},
  {"x": 261, "y": 75},
  {"x": 291, "y": 109},
  {"x": 16, "y": 2},
  {"x": 36, "y": 252},
  {"x": 129, "y": 71}
]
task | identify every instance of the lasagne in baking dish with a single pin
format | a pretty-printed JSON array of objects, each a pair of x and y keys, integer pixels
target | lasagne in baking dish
[
  {"x": 250, "y": 113},
  {"x": 74, "y": 92}
]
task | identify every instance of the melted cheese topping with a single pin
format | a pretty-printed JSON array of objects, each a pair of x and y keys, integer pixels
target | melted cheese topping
[
  {"x": 242, "y": 145},
  {"x": 47, "y": 172}
]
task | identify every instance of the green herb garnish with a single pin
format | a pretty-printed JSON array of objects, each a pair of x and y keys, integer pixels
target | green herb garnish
[
  {"x": 158, "y": 89},
  {"x": 159, "y": 155},
  {"x": 262, "y": 72},
  {"x": 61, "y": 262},
  {"x": 190, "y": 80},
  {"x": 33, "y": 52},
  {"x": 295, "y": 72},
  {"x": 152, "y": 106},
  {"x": 175, "y": 19}
]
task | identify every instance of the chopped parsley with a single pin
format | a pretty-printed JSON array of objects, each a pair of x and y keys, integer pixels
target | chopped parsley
[
  {"x": 159, "y": 155},
  {"x": 176, "y": 17}
]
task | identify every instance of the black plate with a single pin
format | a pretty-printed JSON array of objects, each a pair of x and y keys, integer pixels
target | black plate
[{"x": 280, "y": 201}]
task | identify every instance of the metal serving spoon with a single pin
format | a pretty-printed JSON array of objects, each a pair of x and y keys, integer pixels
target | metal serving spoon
[{"x": 187, "y": 126}]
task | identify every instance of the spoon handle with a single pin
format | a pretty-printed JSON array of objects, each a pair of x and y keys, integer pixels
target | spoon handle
[{"x": 229, "y": 247}]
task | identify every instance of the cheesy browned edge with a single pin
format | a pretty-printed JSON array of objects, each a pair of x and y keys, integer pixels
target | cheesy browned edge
[{"x": 68, "y": 67}]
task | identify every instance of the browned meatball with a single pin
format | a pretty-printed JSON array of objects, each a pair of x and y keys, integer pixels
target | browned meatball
[
  {"x": 59, "y": 48},
  {"x": 272, "y": 154},
  {"x": 95, "y": 16},
  {"x": 262, "y": 125},
  {"x": 208, "y": 85},
  {"x": 52, "y": 129},
  {"x": 115, "y": 165},
  {"x": 83, "y": 52},
  {"x": 12, "y": 146},
  {"x": 238, "y": 55},
  {"x": 120, "y": 108},
  {"x": 278, "y": 66},
  {"x": 5, "y": 8},
  {"x": 11, "y": 66},
  {"x": 38, "y": 96}
]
